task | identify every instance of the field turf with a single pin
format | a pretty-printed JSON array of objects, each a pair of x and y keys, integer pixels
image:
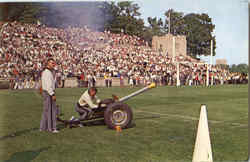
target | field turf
[{"x": 164, "y": 126}]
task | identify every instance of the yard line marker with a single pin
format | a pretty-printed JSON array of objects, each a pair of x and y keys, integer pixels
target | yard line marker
[{"x": 202, "y": 149}]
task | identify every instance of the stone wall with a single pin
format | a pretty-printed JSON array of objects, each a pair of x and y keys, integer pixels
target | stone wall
[
  {"x": 165, "y": 44},
  {"x": 4, "y": 84},
  {"x": 73, "y": 82},
  {"x": 100, "y": 82}
]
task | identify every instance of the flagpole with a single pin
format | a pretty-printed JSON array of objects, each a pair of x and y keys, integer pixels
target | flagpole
[
  {"x": 211, "y": 61},
  {"x": 207, "y": 74},
  {"x": 211, "y": 54},
  {"x": 173, "y": 55},
  {"x": 169, "y": 23}
]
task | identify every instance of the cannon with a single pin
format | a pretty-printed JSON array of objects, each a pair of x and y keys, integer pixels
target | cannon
[
  {"x": 114, "y": 111},
  {"x": 117, "y": 113}
]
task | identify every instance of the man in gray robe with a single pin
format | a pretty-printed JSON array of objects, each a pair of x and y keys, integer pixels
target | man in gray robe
[{"x": 48, "y": 122}]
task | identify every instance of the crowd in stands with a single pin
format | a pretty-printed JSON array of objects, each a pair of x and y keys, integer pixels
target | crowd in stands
[{"x": 87, "y": 54}]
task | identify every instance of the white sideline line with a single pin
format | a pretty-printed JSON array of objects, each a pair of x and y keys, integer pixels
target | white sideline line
[
  {"x": 178, "y": 116},
  {"x": 191, "y": 118}
]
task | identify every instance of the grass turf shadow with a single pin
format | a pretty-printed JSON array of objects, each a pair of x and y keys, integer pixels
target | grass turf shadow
[
  {"x": 18, "y": 133},
  {"x": 91, "y": 123},
  {"x": 26, "y": 156},
  {"x": 26, "y": 131}
]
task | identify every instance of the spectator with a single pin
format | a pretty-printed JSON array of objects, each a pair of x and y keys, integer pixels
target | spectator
[{"x": 24, "y": 47}]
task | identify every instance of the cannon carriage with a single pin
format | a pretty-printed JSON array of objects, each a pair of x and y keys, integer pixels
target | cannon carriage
[{"x": 114, "y": 111}]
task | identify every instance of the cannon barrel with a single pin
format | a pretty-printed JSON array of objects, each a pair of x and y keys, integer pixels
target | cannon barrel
[{"x": 152, "y": 85}]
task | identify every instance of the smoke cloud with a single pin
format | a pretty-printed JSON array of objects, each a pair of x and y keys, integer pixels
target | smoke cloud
[{"x": 78, "y": 14}]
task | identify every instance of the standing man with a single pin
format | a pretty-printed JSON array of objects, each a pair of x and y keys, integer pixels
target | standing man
[
  {"x": 63, "y": 79},
  {"x": 121, "y": 80},
  {"x": 48, "y": 122},
  {"x": 93, "y": 80},
  {"x": 106, "y": 78},
  {"x": 90, "y": 81},
  {"x": 110, "y": 79}
]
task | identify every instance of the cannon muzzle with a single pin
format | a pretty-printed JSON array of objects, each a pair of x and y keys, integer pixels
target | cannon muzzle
[{"x": 152, "y": 85}]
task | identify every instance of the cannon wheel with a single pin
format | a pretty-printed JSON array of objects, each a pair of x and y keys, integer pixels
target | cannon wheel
[{"x": 118, "y": 114}]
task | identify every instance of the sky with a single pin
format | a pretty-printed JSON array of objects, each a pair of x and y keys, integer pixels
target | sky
[{"x": 229, "y": 16}]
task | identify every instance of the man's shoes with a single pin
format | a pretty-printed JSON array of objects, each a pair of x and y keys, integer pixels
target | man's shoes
[
  {"x": 72, "y": 118},
  {"x": 80, "y": 125},
  {"x": 55, "y": 131}
]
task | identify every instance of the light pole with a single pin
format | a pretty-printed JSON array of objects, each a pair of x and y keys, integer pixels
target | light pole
[
  {"x": 211, "y": 54},
  {"x": 211, "y": 61},
  {"x": 178, "y": 74},
  {"x": 173, "y": 55},
  {"x": 169, "y": 23},
  {"x": 207, "y": 74},
  {"x": 177, "y": 64}
]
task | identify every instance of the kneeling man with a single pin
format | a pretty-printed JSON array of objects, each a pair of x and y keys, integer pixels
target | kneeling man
[{"x": 84, "y": 106}]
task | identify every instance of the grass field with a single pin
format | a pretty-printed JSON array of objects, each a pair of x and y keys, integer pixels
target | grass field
[{"x": 165, "y": 126}]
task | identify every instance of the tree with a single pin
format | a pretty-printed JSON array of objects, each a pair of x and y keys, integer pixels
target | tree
[
  {"x": 223, "y": 66},
  {"x": 60, "y": 14},
  {"x": 240, "y": 68},
  {"x": 155, "y": 28},
  {"x": 176, "y": 22},
  {"x": 198, "y": 29},
  {"x": 23, "y": 12},
  {"x": 106, "y": 11},
  {"x": 125, "y": 18}
]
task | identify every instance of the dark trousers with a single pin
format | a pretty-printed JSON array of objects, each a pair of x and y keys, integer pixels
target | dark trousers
[
  {"x": 110, "y": 83},
  {"x": 107, "y": 82},
  {"x": 83, "y": 111},
  {"x": 63, "y": 83}
]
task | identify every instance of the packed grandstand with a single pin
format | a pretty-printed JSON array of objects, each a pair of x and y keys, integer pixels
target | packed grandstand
[{"x": 88, "y": 54}]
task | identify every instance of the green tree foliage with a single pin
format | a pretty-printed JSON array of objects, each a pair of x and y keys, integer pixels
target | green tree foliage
[
  {"x": 23, "y": 12},
  {"x": 240, "y": 68},
  {"x": 155, "y": 28},
  {"x": 126, "y": 18},
  {"x": 198, "y": 29},
  {"x": 61, "y": 14},
  {"x": 223, "y": 66},
  {"x": 107, "y": 13},
  {"x": 177, "y": 24}
]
